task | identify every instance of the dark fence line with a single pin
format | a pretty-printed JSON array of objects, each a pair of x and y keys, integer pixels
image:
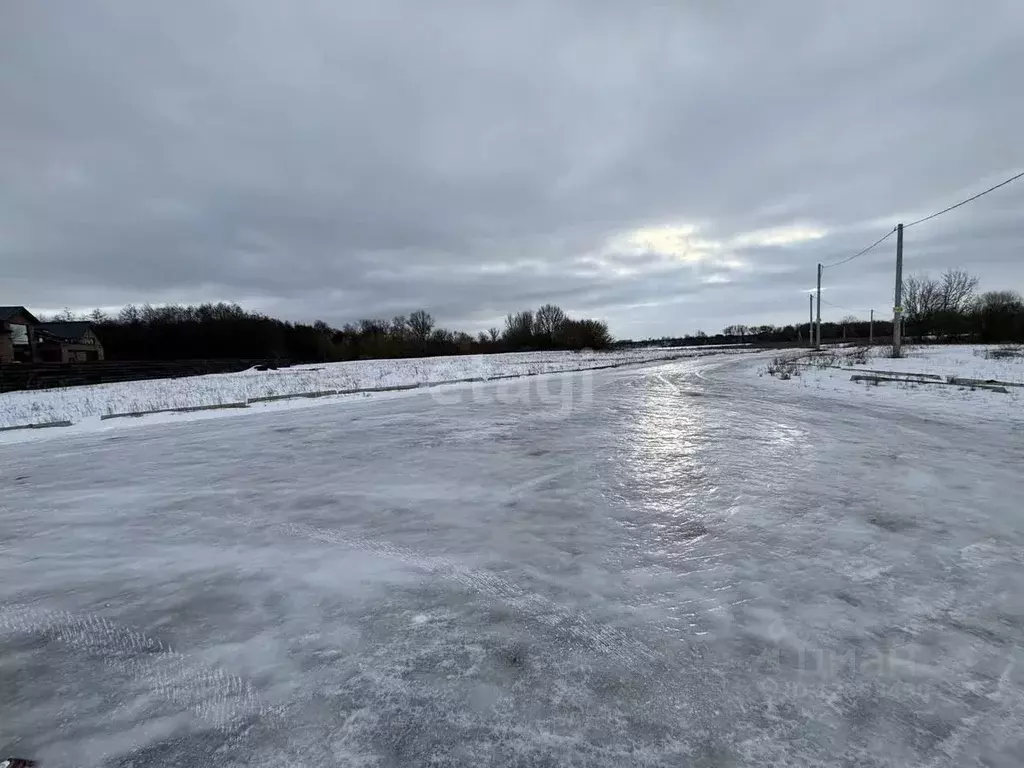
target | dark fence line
[{"x": 15, "y": 377}]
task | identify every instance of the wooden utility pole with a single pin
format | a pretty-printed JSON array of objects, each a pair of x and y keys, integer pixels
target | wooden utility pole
[
  {"x": 817, "y": 338},
  {"x": 897, "y": 310},
  {"x": 871, "y": 330}
]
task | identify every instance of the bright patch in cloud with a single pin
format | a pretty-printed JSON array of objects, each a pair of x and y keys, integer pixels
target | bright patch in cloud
[
  {"x": 648, "y": 250},
  {"x": 674, "y": 241},
  {"x": 716, "y": 278},
  {"x": 775, "y": 236}
]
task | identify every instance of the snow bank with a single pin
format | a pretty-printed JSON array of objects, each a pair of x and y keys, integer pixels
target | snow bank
[
  {"x": 941, "y": 362},
  {"x": 76, "y": 404}
]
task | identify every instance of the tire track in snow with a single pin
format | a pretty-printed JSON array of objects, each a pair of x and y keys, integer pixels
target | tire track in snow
[{"x": 223, "y": 701}]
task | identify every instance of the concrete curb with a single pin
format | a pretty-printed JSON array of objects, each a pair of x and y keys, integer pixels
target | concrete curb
[
  {"x": 883, "y": 379},
  {"x": 934, "y": 376},
  {"x": 186, "y": 409},
  {"x": 984, "y": 383},
  {"x": 44, "y": 425},
  {"x": 275, "y": 398},
  {"x": 394, "y": 388}
]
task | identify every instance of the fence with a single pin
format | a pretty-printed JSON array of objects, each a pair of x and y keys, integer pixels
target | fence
[{"x": 14, "y": 377}]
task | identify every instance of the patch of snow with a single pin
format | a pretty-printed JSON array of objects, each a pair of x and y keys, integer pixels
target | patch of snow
[{"x": 944, "y": 362}]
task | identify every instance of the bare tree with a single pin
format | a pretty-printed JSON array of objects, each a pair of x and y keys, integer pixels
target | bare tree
[
  {"x": 399, "y": 326},
  {"x": 519, "y": 329},
  {"x": 1000, "y": 315},
  {"x": 956, "y": 289},
  {"x": 1001, "y": 301},
  {"x": 128, "y": 314},
  {"x": 548, "y": 322},
  {"x": 97, "y": 315},
  {"x": 921, "y": 297},
  {"x": 584, "y": 334},
  {"x": 494, "y": 333},
  {"x": 421, "y": 323},
  {"x": 463, "y": 341}
]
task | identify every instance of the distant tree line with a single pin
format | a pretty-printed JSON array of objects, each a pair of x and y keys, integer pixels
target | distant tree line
[
  {"x": 946, "y": 308},
  {"x": 848, "y": 328},
  {"x": 176, "y": 332},
  {"x": 744, "y": 334}
]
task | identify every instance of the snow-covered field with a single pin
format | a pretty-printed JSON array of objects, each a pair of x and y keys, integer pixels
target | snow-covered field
[
  {"x": 943, "y": 362},
  {"x": 77, "y": 404}
]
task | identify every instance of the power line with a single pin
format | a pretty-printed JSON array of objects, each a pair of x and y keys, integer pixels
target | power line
[
  {"x": 887, "y": 235},
  {"x": 964, "y": 202},
  {"x": 847, "y": 309},
  {"x": 837, "y": 306},
  {"x": 877, "y": 242}
]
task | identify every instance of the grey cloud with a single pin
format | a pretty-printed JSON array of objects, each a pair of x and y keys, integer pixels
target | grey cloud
[{"x": 343, "y": 159}]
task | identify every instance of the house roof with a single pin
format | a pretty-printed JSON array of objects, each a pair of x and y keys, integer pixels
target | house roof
[
  {"x": 9, "y": 312},
  {"x": 68, "y": 331}
]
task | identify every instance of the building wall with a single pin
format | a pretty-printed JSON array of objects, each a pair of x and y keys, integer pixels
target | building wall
[
  {"x": 94, "y": 343},
  {"x": 80, "y": 353},
  {"x": 9, "y": 352},
  {"x": 67, "y": 352}
]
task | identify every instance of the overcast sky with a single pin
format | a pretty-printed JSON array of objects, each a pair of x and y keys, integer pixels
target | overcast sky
[{"x": 667, "y": 166}]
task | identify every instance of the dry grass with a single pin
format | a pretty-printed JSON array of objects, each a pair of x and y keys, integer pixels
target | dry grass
[
  {"x": 783, "y": 368},
  {"x": 1006, "y": 352}
]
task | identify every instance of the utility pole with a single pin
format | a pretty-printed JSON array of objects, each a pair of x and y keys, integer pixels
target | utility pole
[
  {"x": 817, "y": 339},
  {"x": 871, "y": 330},
  {"x": 897, "y": 310},
  {"x": 810, "y": 322}
]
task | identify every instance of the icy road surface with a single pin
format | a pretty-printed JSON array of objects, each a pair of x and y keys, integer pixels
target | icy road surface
[{"x": 672, "y": 565}]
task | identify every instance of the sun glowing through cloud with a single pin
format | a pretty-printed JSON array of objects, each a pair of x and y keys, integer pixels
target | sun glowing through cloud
[
  {"x": 779, "y": 236},
  {"x": 676, "y": 241}
]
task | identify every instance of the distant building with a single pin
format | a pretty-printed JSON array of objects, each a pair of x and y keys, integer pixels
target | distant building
[
  {"x": 23, "y": 339},
  {"x": 67, "y": 342},
  {"x": 17, "y": 342}
]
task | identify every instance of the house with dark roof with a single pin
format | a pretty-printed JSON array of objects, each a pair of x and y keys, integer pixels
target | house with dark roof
[
  {"x": 67, "y": 342},
  {"x": 17, "y": 341},
  {"x": 23, "y": 339}
]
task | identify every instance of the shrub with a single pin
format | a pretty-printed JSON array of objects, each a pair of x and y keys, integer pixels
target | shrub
[
  {"x": 825, "y": 360},
  {"x": 783, "y": 368},
  {"x": 857, "y": 356}
]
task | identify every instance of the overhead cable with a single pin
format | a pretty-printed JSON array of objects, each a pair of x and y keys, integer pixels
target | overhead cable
[
  {"x": 965, "y": 202},
  {"x": 877, "y": 242}
]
